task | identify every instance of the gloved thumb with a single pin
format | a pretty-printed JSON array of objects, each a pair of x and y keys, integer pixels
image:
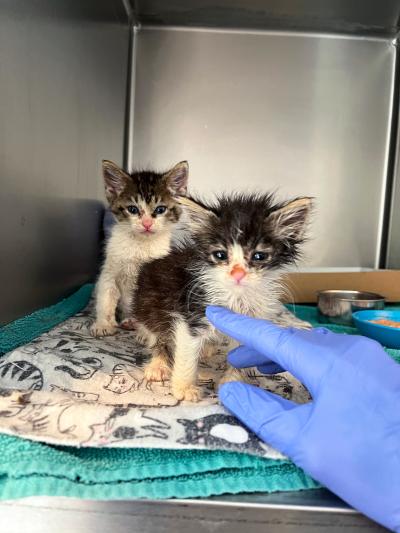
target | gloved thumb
[{"x": 274, "y": 419}]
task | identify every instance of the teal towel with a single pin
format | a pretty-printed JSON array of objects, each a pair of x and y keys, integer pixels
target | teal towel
[
  {"x": 29, "y": 327},
  {"x": 31, "y": 468}
]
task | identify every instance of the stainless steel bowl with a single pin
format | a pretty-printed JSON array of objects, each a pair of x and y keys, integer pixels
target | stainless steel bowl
[{"x": 337, "y": 307}]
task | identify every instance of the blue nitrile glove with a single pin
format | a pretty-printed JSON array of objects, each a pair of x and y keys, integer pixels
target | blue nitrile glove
[{"x": 348, "y": 437}]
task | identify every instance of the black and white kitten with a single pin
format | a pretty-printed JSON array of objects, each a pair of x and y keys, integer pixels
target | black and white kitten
[
  {"x": 240, "y": 246},
  {"x": 145, "y": 206}
]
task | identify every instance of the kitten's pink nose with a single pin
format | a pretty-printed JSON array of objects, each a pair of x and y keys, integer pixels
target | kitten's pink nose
[
  {"x": 147, "y": 222},
  {"x": 238, "y": 273}
]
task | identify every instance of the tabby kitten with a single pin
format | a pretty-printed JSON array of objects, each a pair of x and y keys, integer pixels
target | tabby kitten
[
  {"x": 241, "y": 244},
  {"x": 146, "y": 210}
]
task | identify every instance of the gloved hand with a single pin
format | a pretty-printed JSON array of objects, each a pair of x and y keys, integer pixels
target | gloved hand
[{"x": 348, "y": 437}]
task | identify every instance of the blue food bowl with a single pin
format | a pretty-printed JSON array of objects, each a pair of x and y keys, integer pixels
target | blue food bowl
[{"x": 386, "y": 335}]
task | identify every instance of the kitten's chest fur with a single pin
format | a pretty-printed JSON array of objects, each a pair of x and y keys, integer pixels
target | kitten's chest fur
[
  {"x": 126, "y": 252},
  {"x": 260, "y": 298},
  {"x": 257, "y": 304}
]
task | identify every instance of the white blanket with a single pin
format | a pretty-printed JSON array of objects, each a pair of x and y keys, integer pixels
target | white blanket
[{"x": 68, "y": 388}]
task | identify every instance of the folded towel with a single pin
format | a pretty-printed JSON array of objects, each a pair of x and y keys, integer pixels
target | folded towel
[{"x": 32, "y": 468}]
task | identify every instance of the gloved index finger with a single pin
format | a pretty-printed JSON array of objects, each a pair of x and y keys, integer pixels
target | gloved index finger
[{"x": 290, "y": 348}]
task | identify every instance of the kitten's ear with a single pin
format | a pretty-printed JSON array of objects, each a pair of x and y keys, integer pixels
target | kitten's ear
[
  {"x": 290, "y": 221},
  {"x": 115, "y": 179},
  {"x": 177, "y": 178},
  {"x": 199, "y": 215}
]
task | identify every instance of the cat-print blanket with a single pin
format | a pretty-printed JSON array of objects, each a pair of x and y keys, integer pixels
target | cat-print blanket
[{"x": 68, "y": 388}]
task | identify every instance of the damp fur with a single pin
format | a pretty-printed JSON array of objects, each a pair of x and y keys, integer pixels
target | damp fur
[{"x": 251, "y": 232}]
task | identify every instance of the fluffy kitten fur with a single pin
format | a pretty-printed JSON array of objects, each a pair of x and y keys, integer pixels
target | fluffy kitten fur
[
  {"x": 249, "y": 234},
  {"x": 146, "y": 210}
]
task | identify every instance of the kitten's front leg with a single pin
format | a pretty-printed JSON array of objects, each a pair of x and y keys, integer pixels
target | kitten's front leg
[
  {"x": 186, "y": 357},
  {"x": 127, "y": 321},
  {"x": 231, "y": 373},
  {"x": 287, "y": 319},
  {"x": 107, "y": 296},
  {"x": 125, "y": 303},
  {"x": 158, "y": 369}
]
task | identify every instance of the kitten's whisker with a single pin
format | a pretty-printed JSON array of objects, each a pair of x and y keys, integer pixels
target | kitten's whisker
[{"x": 287, "y": 287}]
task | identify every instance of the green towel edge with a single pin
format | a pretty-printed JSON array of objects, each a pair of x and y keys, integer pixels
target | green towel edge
[
  {"x": 222, "y": 481},
  {"x": 27, "y": 328}
]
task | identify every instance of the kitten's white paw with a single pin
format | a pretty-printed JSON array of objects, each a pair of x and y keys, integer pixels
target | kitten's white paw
[
  {"x": 129, "y": 324},
  {"x": 286, "y": 319},
  {"x": 233, "y": 374},
  {"x": 296, "y": 323},
  {"x": 189, "y": 393},
  {"x": 304, "y": 325},
  {"x": 157, "y": 370},
  {"x": 102, "y": 329}
]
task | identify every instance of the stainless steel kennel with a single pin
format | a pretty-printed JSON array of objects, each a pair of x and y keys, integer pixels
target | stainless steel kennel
[{"x": 299, "y": 96}]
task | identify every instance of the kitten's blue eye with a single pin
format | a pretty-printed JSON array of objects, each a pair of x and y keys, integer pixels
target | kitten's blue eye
[
  {"x": 259, "y": 256},
  {"x": 160, "y": 209},
  {"x": 133, "y": 210},
  {"x": 220, "y": 255}
]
